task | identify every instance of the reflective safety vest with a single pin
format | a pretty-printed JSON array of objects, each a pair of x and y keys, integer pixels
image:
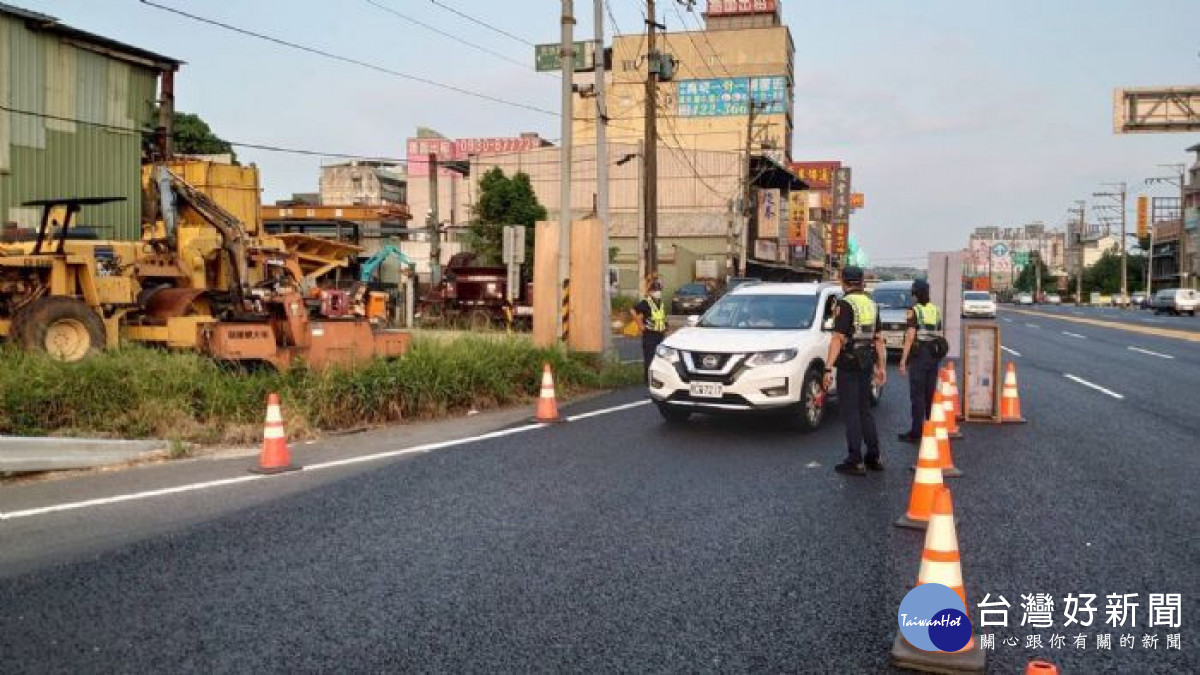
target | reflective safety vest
[
  {"x": 929, "y": 321},
  {"x": 657, "y": 321},
  {"x": 865, "y": 312}
]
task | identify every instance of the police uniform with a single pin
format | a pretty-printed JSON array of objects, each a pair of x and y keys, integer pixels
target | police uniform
[
  {"x": 858, "y": 320},
  {"x": 922, "y": 363},
  {"x": 653, "y": 313}
]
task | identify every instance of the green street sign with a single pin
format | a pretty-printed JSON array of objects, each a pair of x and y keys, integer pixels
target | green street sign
[{"x": 546, "y": 58}]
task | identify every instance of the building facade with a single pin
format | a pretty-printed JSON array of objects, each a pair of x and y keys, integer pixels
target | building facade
[
  {"x": 999, "y": 253},
  {"x": 79, "y": 108},
  {"x": 363, "y": 183}
]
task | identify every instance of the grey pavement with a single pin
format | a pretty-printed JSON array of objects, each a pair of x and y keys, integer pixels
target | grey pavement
[
  {"x": 617, "y": 542},
  {"x": 21, "y": 453}
]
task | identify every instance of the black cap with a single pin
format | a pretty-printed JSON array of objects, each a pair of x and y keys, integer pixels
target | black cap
[
  {"x": 852, "y": 274},
  {"x": 920, "y": 286}
]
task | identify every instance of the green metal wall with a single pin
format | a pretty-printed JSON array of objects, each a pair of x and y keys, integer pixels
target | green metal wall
[{"x": 44, "y": 158}]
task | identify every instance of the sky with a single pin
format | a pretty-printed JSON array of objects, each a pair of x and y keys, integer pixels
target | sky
[{"x": 953, "y": 113}]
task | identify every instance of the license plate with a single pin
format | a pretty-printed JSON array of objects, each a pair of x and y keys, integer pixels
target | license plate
[
  {"x": 707, "y": 390},
  {"x": 894, "y": 340}
]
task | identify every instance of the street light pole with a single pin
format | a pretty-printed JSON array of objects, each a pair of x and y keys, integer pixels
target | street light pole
[{"x": 602, "y": 168}]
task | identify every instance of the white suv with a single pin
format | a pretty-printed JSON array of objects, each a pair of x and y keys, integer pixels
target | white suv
[{"x": 760, "y": 348}]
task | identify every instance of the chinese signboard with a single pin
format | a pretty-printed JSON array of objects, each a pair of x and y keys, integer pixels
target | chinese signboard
[
  {"x": 766, "y": 249},
  {"x": 768, "y": 213},
  {"x": 731, "y": 96},
  {"x": 839, "y": 239},
  {"x": 841, "y": 195},
  {"x": 981, "y": 371},
  {"x": 446, "y": 149},
  {"x": 817, "y": 175},
  {"x": 1143, "y": 216},
  {"x": 797, "y": 231},
  {"x": 857, "y": 200},
  {"x": 733, "y": 7},
  {"x": 548, "y": 58}
]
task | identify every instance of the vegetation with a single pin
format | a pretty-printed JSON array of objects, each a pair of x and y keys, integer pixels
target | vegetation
[
  {"x": 193, "y": 136},
  {"x": 503, "y": 201},
  {"x": 1105, "y": 274},
  {"x": 140, "y": 392},
  {"x": 1027, "y": 279}
]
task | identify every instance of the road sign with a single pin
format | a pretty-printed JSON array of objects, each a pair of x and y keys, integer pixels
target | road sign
[
  {"x": 513, "y": 244},
  {"x": 1000, "y": 250},
  {"x": 1143, "y": 216},
  {"x": 548, "y": 58}
]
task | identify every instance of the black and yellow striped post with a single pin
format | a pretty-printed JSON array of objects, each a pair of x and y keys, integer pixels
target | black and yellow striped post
[{"x": 566, "y": 310}]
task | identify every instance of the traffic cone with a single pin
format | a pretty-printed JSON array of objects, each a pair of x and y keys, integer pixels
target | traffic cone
[
  {"x": 952, "y": 378},
  {"x": 1040, "y": 667},
  {"x": 547, "y": 405},
  {"x": 940, "y": 564},
  {"x": 275, "y": 456},
  {"x": 949, "y": 401},
  {"x": 926, "y": 481},
  {"x": 938, "y": 416},
  {"x": 1010, "y": 400}
]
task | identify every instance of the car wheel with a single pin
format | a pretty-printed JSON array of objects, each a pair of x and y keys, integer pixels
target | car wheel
[
  {"x": 673, "y": 415},
  {"x": 812, "y": 402}
]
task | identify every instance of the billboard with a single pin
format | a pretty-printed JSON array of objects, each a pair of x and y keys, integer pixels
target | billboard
[
  {"x": 1143, "y": 216},
  {"x": 797, "y": 231},
  {"x": 1156, "y": 110},
  {"x": 547, "y": 57},
  {"x": 839, "y": 239},
  {"x": 857, "y": 200},
  {"x": 818, "y": 175},
  {"x": 735, "y": 7},
  {"x": 841, "y": 195},
  {"x": 731, "y": 96},
  {"x": 768, "y": 213},
  {"x": 446, "y": 149}
]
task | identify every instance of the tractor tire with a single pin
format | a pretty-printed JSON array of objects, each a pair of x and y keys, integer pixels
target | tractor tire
[
  {"x": 65, "y": 328},
  {"x": 479, "y": 321}
]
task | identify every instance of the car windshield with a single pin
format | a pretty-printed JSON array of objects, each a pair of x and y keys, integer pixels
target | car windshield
[
  {"x": 976, "y": 296},
  {"x": 892, "y": 298},
  {"x": 692, "y": 289},
  {"x": 761, "y": 312}
]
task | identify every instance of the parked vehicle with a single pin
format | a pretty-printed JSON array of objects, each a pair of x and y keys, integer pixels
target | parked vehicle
[
  {"x": 760, "y": 348},
  {"x": 1120, "y": 300},
  {"x": 734, "y": 282},
  {"x": 1176, "y": 301},
  {"x": 474, "y": 296},
  {"x": 1053, "y": 299},
  {"x": 893, "y": 298},
  {"x": 978, "y": 304},
  {"x": 1024, "y": 298},
  {"x": 1138, "y": 300},
  {"x": 693, "y": 298}
]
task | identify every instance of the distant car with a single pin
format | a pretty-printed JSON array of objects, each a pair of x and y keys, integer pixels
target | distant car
[
  {"x": 693, "y": 298},
  {"x": 1119, "y": 300},
  {"x": 1176, "y": 301},
  {"x": 1138, "y": 300},
  {"x": 734, "y": 282},
  {"x": 1053, "y": 299},
  {"x": 1024, "y": 298},
  {"x": 893, "y": 298},
  {"x": 978, "y": 304}
]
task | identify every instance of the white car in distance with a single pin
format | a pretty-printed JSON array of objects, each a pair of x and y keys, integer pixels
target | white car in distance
[
  {"x": 978, "y": 304},
  {"x": 760, "y": 348}
]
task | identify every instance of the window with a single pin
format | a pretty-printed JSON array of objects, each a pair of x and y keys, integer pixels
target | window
[
  {"x": 763, "y": 312},
  {"x": 892, "y": 298}
]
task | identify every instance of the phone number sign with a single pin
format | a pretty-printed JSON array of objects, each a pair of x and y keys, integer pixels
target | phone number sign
[{"x": 731, "y": 96}]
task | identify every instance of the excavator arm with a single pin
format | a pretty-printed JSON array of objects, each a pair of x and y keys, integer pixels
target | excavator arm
[{"x": 368, "y": 269}]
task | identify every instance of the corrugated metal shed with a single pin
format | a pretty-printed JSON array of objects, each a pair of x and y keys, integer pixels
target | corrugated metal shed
[{"x": 102, "y": 92}]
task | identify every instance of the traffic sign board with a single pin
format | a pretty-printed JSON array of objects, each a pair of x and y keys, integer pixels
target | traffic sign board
[{"x": 1000, "y": 250}]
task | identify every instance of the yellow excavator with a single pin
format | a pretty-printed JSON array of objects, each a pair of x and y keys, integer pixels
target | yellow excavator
[{"x": 199, "y": 278}]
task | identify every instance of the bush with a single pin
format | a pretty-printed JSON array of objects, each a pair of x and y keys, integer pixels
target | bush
[{"x": 140, "y": 392}]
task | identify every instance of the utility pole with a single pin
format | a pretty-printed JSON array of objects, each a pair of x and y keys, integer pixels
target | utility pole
[
  {"x": 1120, "y": 196},
  {"x": 567, "y": 56},
  {"x": 650, "y": 144},
  {"x": 435, "y": 235},
  {"x": 1179, "y": 180},
  {"x": 1081, "y": 212},
  {"x": 602, "y": 168},
  {"x": 747, "y": 188}
]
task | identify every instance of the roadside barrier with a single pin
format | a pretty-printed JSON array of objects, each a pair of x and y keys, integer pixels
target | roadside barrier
[
  {"x": 926, "y": 482},
  {"x": 547, "y": 404},
  {"x": 275, "y": 456},
  {"x": 1010, "y": 400}
]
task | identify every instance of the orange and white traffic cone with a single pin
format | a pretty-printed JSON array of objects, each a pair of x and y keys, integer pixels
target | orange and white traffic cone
[
  {"x": 952, "y": 379},
  {"x": 941, "y": 564},
  {"x": 937, "y": 415},
  {"x": 1040, "y": 667},
  {"x": 1010, "y": 400},
  {"x": 547, "y": 405},
  {"x": 949, "y": 401},
  {"x": 275, "y": 456},
  {"x": 926, "y": 482}
]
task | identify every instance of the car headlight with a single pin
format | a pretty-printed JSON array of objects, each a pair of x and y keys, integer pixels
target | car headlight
[
  {"x": 667, "y": 353},
  {"x": 772, "y": 358}
]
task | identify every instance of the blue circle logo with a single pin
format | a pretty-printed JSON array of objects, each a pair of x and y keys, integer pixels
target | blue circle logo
[{"x": 931, "y": 618}]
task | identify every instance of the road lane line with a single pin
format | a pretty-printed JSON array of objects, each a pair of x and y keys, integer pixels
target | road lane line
[
  {"x": 1033, "y": 325},
  {"x": 1074, "y": 335},
  {"x": 1006, "y": 319},
  {"x": 1010, "y": 351},
  {"x": 1097, "y": 387},
  {"x": 1147, "y": 351},
  {"x": 1190, "y": 336},
  {"x": 191, "y": 487}
]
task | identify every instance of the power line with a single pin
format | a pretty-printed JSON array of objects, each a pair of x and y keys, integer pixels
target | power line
[
  {"x": 347, "y": 59},
  {"x": 486, "y": 25},
  {"x": 451, "y": 36}
]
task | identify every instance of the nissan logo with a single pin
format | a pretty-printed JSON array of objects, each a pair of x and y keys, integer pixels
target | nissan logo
[{"x": 710, "y": 361}]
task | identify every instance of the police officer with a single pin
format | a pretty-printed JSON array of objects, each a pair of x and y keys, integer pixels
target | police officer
[
  {"x": 652, "y": 314},
  {"x": 920, "y": 358},
  {"x": 857, "y": 351}
]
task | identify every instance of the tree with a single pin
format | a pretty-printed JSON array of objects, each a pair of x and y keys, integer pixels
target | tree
[
  {"x": 1027, "y": 279},
  {"x": 193, "y": 136},
  {"x": 503, "y": 201},
  {"x": 1104, "y": 275}
]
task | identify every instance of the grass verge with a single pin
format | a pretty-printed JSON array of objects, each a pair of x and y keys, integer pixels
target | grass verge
[{"x": 186, "y": 398}]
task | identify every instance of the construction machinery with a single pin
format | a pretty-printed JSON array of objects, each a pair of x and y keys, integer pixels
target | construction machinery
[{"x": 200, "y": 278}]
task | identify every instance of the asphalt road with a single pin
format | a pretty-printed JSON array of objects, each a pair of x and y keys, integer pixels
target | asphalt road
[
  {"x": 1137, "y": 317},
  {"x": 616, "y": 542}
]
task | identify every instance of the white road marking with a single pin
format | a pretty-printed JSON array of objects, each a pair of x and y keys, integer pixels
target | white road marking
[
  {"x": 1097, "y": 387},
  {"x": 1033, "y": 325},
  {"x": 1010, "y": 351},
  {"x": 1074, "y": 335},
  {"x": 1006, "y": 319},
  {"x": 1147, "y": 351},
  {"x": 191, "y": 487}
]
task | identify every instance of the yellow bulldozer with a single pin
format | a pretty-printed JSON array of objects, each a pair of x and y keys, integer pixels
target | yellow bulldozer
[{"x": 200, "y": 278}]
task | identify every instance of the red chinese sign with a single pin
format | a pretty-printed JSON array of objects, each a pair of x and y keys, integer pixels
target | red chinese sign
[
  {"x": 818, "y": 175},
  {"x": 462, "y": 148},
  {"x": 839, "y": 239},
  {"x": 733, "y": 7}
]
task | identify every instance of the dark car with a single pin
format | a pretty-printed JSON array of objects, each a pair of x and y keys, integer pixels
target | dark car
[{"x": 694, "y": 298}]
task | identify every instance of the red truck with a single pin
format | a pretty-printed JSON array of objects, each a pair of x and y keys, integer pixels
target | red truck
[{"x": 475, "y": 297}]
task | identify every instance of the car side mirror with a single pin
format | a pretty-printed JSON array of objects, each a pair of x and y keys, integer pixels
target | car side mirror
[{"x": 693, "y": 320}]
